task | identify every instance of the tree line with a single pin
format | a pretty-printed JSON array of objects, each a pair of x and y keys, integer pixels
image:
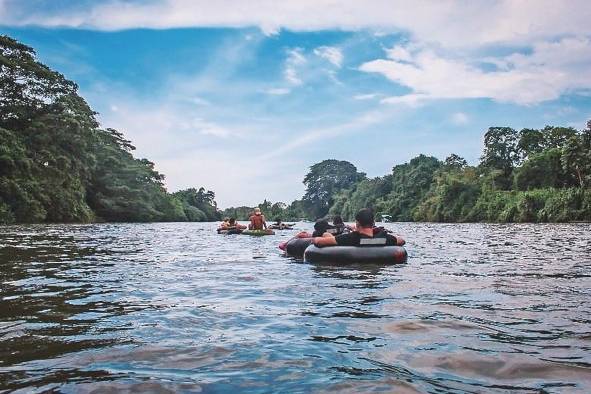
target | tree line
[
  {"x": 523, "y": 176},
  {"x": 58, "y": 165}
]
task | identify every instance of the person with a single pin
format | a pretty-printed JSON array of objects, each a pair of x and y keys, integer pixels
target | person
[
  {"x": 364, "y": 234},
  {"x": 233, "y": 224},
  {"x": 321, "y": 227},
  {"x": 339, "y": 227},
  {"x": 225, "y": 224},
  {"x": 257, "y": 220}
]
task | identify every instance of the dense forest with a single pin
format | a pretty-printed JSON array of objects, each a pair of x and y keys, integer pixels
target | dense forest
[
  {"x": 523, "y": 176},
  {"x": 58, "y": 165}
]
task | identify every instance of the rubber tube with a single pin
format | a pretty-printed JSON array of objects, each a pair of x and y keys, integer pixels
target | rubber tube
[{"x": 356, "y": 254}]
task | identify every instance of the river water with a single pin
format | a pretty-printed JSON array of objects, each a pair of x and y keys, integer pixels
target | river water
[{"x": 175, "y": 307}]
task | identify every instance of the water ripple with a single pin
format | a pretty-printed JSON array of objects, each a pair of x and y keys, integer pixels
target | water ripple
[{"x": 177, "y": 308}]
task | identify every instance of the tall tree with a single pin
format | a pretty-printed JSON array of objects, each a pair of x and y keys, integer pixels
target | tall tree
[
  {"x": 500, "y": 153},
  {"x": 324, "y": 180}
]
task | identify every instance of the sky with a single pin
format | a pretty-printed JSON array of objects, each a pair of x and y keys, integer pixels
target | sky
[{"x": 242, "y": 97}]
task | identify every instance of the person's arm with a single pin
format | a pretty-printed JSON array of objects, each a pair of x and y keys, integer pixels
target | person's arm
[
  {"x": 303, "y": 234},
  {"x": 325, "y": 241},
  {"x": 264, "y": 222}
]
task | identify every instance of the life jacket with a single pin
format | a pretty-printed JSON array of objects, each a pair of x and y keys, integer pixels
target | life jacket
[{"x": 256, "y": 222}]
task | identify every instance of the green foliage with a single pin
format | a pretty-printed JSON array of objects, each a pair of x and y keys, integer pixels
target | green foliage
[
  {"x": 198, "y": 205},
  {"x": 541, "y": 170},
  {"x": 452, "y": 196},
  {"x": 500, "y": 153},
  {"x": 410, "y": 183},
  {"x": 576, "y": 157},
  {"x": 272, "y": 211},
  {"x": 324, "y": 180},
  {"x": 365, "y": 194},
  {"x": 57, "y": 165},
  {"x": 530, "y": 176}
]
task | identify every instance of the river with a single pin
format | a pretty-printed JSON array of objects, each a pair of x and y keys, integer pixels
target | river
[{"x": 175, "y": 307}]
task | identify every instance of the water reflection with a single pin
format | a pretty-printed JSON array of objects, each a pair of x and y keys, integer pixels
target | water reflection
[{"x": 175, "y": 307}]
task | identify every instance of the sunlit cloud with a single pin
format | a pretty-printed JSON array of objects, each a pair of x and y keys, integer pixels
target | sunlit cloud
[
  {"x": 550, "y": 70},
  {"x": 332, "y": 54}
]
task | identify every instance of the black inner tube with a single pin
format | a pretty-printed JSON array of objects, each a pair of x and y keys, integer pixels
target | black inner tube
[
  {"x": 356, "y": 254},
  {"x": 297, "y": 246}
]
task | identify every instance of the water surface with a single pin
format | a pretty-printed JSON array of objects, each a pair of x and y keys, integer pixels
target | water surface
[{"x": 175, "y": 307}]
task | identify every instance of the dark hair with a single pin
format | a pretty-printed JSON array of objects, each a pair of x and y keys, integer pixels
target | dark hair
[
  {"x": 232, "y": 220},
  {"x": 337, "y": 220},
  {"x": 321, "y": 225},
  {"x": 365, "y": 217}
]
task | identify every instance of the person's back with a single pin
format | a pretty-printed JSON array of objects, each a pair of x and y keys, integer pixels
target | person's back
[
  {"x": 257, "y": 221},
  {"x": 364, "y": 234},
  {"x": 360, "y": 238}
]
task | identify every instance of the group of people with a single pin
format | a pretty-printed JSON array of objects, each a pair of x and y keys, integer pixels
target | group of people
[
  {"x": 364, "y": 232},
  {"x": 338, "y": 233},
  {"x": 257, "y": 222}
]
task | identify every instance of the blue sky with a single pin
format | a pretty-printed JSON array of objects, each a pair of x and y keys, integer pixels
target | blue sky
[{"x": 243, "y": 97}]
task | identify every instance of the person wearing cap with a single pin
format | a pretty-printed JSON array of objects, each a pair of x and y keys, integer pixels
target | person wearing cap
[
  {"x": 257, "y": 220},
  {"x": 364, "y": 230},
  {"x": 320, "y": 229}
]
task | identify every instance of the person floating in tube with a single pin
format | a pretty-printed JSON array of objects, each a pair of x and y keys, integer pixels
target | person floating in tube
[
  {"x": 233, "y": 224},
  {"x": 320, "y": 228},
  {"x": 339, "y": 227},
  {"x": 257, "y": 220},
  {"x": 364, "y": 234}
]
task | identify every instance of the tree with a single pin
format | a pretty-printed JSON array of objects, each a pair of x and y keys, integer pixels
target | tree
[
  {"x": 410, "y": 183},
  {"x": 58, "y": 165},
  {"x": 455, "y": 161},
  {"x": 530, "y": 142},
  {"x": 500, "y": 153},
  {"x": 324, "y": 180},
  {"x": 557, "y": 137},
  {"x": 541, "y": 170},
  {"x": 576, "y": 158}
]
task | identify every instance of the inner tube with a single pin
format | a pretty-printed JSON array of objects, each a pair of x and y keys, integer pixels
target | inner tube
[
  {"x": 229, "y": 231},
  {"x": 281, "y": 227},
  {"x": 356, "y": 254},
  {"x": 258, "y": 233},
  {"x": 297, "y": 246}
]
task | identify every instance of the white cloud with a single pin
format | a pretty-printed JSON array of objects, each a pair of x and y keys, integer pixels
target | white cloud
[
  {"x": 412, "y": 100},
  {"x": 460, "y": 118},
  {"x": 449, "y": 23},
  {"x": 399, "y": 52},
  {"x": 367, "y": 96},
  {"x": 278, "y": 91},
  {"x": 210, "y": 128},
  {"x": 333, "y": 54},
  {"x": 550, "y": 70},
  {"x": 295, "y": 59}
]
